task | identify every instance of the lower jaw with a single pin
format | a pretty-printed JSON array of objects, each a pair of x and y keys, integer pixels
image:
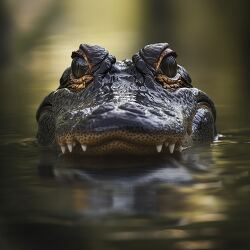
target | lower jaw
[
  {"x": 107, "y": 146},
  {"x": 121, "y": 147}
]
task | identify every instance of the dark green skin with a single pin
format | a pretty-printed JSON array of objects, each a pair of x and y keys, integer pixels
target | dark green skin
[{"x": 126, "y": 96}]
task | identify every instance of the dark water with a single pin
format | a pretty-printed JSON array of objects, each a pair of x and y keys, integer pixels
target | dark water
[{"x": 197, "y": 200}]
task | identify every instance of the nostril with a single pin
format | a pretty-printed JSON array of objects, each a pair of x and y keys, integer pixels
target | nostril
[
  {"x": 132, "y": 108},
  {"x": 102, "y": 109}
]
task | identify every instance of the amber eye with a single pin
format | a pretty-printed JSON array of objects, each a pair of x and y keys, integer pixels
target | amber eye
[
  {"x": 169, "y": 66},
  {"x": 79, "y": 67}
]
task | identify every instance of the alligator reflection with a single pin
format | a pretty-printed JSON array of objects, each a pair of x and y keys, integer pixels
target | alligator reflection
[{"x": 125, "y": 185}]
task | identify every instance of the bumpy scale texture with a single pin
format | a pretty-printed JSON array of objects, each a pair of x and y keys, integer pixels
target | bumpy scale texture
[{"x": 129, "y": 106}]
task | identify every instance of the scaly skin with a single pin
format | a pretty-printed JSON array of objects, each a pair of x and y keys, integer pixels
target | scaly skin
[{"x": 143, "y": 106}]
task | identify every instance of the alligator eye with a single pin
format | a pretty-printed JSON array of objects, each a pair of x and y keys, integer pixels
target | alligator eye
[
  {"x": 79, "y": 67},
  {"x": 169, "y": 66}
]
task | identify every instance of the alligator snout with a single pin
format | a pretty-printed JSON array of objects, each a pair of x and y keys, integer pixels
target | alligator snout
[{"x": 124, "y": 127}]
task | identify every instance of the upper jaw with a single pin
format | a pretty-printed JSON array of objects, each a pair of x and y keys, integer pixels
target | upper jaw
[
  {"x": 108, "y": 132},
  {"x": 105, "y": 134}
]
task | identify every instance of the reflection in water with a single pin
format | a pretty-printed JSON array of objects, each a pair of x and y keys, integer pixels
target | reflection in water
[
  {"x": 189, "y": 201},
  {"x": 110, "y": 190}
]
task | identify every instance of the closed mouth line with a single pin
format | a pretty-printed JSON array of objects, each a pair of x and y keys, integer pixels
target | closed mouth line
[{"x": 107, "y": 143}]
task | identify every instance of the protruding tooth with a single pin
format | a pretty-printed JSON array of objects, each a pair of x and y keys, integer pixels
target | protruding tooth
[
  {"x": 84, "y": 147},
  {"x": 70, "y": 147},
  {"x": 159, "y": 148},
  {"x": 166, "y": 144},
  {"x": 180, "y": 148},
  {"x": 171, "y": 148},
  {"x": 63, "y": 149}
]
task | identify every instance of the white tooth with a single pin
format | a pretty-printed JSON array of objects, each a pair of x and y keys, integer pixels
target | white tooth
[
  {"x": 180, "y": 148},
  {"x": 166, "y": 144},
  {"x": 171, "y": 148},
  {"x": 63, "y": 149},
  {"x": 159, "y": 148},
  {"x": 84, "y": 147},
  {"x": 69, "y": 147}
]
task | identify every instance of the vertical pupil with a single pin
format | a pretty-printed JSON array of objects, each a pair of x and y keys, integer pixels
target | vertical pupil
[
  {"x": 169, "y": 66},
  {"x": 79, "y": 67}
]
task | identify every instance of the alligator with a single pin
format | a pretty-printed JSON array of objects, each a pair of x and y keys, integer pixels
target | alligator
[{"x": 146, "y": 105}]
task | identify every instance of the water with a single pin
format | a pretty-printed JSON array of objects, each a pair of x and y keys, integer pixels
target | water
[{"x": 197, "y": 200}]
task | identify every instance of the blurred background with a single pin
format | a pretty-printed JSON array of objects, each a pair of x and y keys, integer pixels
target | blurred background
[
  {"x": 211, "y": 38},
  {"x": 200, "y": 201}
]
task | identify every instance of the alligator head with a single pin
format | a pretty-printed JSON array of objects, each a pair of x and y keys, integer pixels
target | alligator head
[{"x": 144, "y": 105}]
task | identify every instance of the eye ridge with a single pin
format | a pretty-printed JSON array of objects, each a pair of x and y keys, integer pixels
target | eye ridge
[
  {"x": 80, "y": 74},
  {"x": 79, "y": 67},
  {"x": 168, "y": 66}
]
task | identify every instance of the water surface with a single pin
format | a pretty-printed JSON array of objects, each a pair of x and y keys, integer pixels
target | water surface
[{"x": 197, "y": 200}]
